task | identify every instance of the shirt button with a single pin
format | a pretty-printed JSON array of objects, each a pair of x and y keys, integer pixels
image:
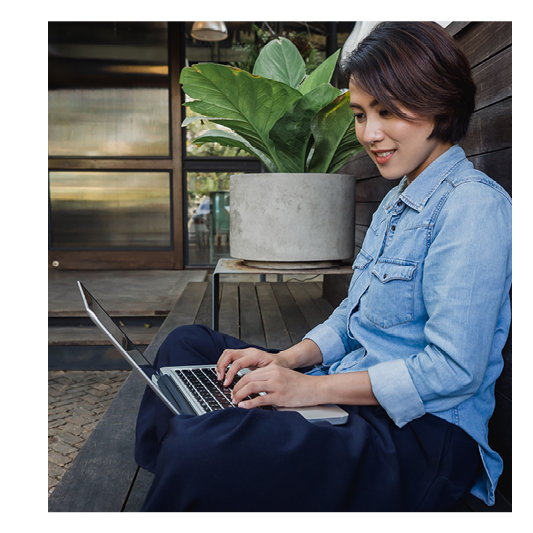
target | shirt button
[
  {"x": 400, "y": 203},
  {"x": 393, "y": 228}
]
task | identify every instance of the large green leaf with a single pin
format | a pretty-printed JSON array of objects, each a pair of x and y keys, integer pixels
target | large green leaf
[
  {"x": 347, "y": 148},
  {"x": 228, "y": 138},
  {"x": 320, "y": 75},
  {"x": 280, "y": 60},
  {"x": 249, "y": 105},
  {"x": 329, "y": 127},
  {"x": 292, "y": 132}
]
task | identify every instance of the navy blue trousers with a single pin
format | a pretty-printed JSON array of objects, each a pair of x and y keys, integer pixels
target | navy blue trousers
[{"x": 254, "y": 460}]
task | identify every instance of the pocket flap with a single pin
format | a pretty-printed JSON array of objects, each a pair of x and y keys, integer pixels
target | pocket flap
[
  {"x": 361, "y": 261},
  {"x": 387, "y": 271}
]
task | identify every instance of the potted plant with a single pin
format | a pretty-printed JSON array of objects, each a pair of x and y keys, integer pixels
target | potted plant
[{"x": 301, "y": 128}]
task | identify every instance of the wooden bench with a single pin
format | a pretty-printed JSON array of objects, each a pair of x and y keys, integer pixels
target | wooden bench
[{"x": 104, "y": 475}]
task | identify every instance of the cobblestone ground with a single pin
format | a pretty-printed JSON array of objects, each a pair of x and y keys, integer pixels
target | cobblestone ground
[{"x": 76, "y": 402}]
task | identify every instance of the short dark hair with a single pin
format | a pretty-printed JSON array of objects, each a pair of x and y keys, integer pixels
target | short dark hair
[{"x": 419, "y": 66}]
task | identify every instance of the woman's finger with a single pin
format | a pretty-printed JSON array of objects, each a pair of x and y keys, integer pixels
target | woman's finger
[
  {"x": 227, "y": 358},
  {"x": 255, "y": 382},
  {"x": 248, "y": 358},
  {"x": 258, "y": 401},
  {"x": 234, "y": 368}
]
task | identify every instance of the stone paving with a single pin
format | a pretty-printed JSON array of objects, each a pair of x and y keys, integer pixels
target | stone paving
[{"x": 76, "y": 402}]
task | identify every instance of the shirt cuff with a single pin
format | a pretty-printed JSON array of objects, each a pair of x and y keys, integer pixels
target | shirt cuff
[
  {"x": 395, "y": 391},
  {"x": 329, "y": 342}
]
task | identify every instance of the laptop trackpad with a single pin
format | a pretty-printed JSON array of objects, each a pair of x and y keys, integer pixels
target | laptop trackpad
[{"x": 320, "y": 413}]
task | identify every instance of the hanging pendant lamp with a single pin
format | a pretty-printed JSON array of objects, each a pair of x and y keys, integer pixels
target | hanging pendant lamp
[{"x": 209, "y": 31}]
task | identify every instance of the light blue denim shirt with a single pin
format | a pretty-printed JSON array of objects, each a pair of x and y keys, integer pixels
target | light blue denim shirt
[{"x": 428, "y": 309}]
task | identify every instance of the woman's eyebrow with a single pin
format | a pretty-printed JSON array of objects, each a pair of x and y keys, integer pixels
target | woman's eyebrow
[{"x": 372, "y": 104}]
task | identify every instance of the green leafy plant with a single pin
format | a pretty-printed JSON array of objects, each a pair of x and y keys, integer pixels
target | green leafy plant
[
  {"x": 251, "y": 47},
  {"x": 289, "y": 121}
]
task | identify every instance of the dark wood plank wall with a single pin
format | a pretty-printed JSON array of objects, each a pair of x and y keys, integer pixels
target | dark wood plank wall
[{"x": 488, "y": 46}]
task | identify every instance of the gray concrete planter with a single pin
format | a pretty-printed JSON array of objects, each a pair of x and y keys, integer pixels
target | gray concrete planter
[{"x": 292, "y": 220}]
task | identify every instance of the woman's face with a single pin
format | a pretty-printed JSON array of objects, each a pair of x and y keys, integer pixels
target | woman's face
[{"x": 398, "y": 147}]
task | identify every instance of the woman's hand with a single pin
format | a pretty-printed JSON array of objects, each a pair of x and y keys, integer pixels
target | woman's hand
[
  {"x": 271, "y": 374},
  {"x": 247, "y": 358},
  {"x": 275, "y": 385}
]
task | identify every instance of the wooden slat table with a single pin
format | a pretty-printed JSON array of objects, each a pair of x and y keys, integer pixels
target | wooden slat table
[{"x": 228, "y": 266}]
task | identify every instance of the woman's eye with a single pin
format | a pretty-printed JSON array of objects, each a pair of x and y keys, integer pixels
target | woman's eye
[
  {"x": 359, "y": 117},
  {"x": 385, "y": 113}
]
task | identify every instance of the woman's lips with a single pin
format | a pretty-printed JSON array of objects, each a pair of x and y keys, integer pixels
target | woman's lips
[{"x": 384, "y": 156}]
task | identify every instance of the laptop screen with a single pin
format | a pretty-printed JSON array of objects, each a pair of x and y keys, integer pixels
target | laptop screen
[{"x": 106, "y": 323}]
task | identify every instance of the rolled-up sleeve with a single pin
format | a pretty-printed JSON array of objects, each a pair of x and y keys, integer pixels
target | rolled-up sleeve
[{"x": 395, "y": 391}]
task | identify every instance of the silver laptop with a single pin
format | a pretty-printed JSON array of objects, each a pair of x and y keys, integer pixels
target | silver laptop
[{"x": 192, "y": 390}]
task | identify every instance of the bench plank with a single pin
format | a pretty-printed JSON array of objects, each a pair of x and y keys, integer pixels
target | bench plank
[
  {"x": 293, "y": 317},
  {"x": 141, "y": 486},
  {"x": 316, "y": 293},
  {"x": 314, "y": 289},
  {"x": 311, "y": 312},
  {"x": 251, "y": 323},
  {"x": 204, "y": 315},
  {"x": 229, "y": 309},
  {"x": 276, "y": 333}
]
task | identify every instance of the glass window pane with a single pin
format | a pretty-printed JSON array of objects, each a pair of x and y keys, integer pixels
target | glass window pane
[
  {"x": 110, "y": 210},
  {"x": 108, "y": 122},
  {"x": 208, "y": 216},
  {"x": 108, "y": 89}
]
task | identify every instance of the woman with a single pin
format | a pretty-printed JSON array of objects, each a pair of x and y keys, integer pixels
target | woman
[{"x": 412, "y": 353}]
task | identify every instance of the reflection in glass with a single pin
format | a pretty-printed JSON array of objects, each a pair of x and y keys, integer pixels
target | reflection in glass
[
  {"x": 208, "y": 216},
  {"x": 108, "y": 122},
  {"x": 108, "y": 89},
  {"x": 110, "y": 210}
]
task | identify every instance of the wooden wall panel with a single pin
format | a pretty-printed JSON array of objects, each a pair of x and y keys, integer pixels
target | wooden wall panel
[
  {"x": 493, "y": 79},
  {"x": 490, "y": 129},
  {"x": 497, "y": 165},
  {"x": 482, "y": 40}
]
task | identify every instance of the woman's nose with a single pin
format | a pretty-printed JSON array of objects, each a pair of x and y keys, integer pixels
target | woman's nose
[{"x": 373, "y": 132}]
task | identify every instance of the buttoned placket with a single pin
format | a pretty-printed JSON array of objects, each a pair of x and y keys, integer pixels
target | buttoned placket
[{"x": 394, "y": 213}]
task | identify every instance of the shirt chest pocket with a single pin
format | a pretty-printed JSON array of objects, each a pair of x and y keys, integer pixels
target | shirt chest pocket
[
  {"x": 390, "y": 295},
  {"x": 359, "y": 266}
]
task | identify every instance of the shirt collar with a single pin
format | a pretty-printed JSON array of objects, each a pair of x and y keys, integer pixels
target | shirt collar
[{"x": 423, "y": 186}]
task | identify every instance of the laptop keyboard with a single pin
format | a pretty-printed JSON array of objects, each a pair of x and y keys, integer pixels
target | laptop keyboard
[{"x": 208, "y": 391}]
